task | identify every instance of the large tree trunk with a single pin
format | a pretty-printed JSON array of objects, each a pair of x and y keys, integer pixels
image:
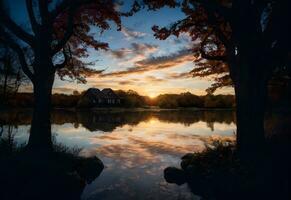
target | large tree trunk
[
  {"x": 44, "y": 74},
  {"x": 251, "y": 94},
  {"x": 40, "y": 133}
]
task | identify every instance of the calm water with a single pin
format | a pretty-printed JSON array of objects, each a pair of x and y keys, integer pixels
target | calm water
[{"x": 135, "y": 147}]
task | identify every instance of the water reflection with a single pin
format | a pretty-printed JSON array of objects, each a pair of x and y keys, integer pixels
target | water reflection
[
  {"x": 135, "y": 147},
  {"x": 108, "y": 121},
  {"x": 55, "y": 174}
]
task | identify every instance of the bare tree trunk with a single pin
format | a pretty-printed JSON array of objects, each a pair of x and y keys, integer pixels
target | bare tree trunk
[
  {"x": 251, "y": 94},
  {"x": 40, "y": 133},
  {"x": 5, "y": 85}
]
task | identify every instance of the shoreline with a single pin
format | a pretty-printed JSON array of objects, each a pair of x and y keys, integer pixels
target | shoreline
[
  {"x": 140, "y": 109},
  {"x": 121, "y": 109}
]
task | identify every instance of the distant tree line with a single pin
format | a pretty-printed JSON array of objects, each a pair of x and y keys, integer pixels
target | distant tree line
[
  {"x": 190, "y": 100},
  {"x": 26, "y": 100},
  {"x": 11, "y": 77},
  {"x": 278, "y": 97},
  {"x": 131, "y": 99}
]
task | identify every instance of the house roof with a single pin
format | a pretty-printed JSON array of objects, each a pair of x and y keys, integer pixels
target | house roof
[
  {"x": 95, "y": 93},
  {"x": 109, "y": 93},
  {"x": 105, "y": 93}
]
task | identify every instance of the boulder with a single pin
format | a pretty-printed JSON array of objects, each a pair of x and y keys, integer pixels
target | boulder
[{"x": 174, "y": 175}]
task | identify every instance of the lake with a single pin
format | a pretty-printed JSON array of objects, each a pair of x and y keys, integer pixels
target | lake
[{"x": 135, "y": 147}]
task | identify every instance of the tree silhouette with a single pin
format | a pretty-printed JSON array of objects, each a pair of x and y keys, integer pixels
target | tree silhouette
[
  {"x": 240, "y": 42},
  {"x": 58, "y": 40},
  {"x": 11, "y": 76}
]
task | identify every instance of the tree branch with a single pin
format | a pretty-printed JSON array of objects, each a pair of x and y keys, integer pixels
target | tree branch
[
  {"x": 44, "y": 13},
  {"x": 68, "y": 33},
  {"x": 65, "y": 4},
  {"x": 59, "y": 9},
  {"x": 70, "y": 7},
  {"x": 33, "y": 22},
  {"x": 16, "y": 29},
  {"x": 222, "y": 37},
  {"x": 212, "y": 57},
  {"x": 204, "y": 54},
  {"x": 64, "y": 63},
  {"x": 14, "y": 46},
  {"x": 214, "y": 6}
]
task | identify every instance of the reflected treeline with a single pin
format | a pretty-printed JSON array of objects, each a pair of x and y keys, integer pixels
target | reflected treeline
[
  {"x": 108, "y": 121},
  {"x": 56, "y": 174}
]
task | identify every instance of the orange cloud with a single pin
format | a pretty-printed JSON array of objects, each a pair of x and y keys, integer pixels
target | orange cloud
[
  {"x": 136, "y": 49},
  {"x": 155, "y": 63},
  {"x": 126, "y": 82},
  {"x": 154, "y": 79},
  {"x": 179, "y": 75}
]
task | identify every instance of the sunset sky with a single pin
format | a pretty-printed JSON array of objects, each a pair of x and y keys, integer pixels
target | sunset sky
[{"x": 138, "y": 61}]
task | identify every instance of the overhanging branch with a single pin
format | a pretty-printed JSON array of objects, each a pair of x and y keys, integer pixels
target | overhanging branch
[
  {"x": 66, "y": 4},
  {"x": 44, "y": 13},
  {"x": 33, "y": 22},
  {"x": 14, "y": 46},
  {"x": 64, "y": 63},
  {"x": 215, "y": 6},
  {"x": 68, "y": 33},
  {"x": 207, "y": 56},
  {"x": 59, "y": 9},
  {"x": 16, "y": 29}
]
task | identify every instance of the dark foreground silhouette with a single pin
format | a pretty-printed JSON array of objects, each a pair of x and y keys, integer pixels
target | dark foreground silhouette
[
  {"x": 218, "y": 172},
  {"x": 58, "y": 174}
]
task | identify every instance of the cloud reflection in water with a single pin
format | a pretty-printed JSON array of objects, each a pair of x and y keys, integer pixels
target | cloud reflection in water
[{"x": 136, "y": 147}]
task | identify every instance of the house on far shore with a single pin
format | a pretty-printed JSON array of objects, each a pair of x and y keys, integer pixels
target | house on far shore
[
  {"x": 110, "y": 96},
  {"x": 94, "y": 97}
]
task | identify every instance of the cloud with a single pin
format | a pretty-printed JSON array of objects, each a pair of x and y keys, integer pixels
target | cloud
[
  {"x": 176, "y": 75},
  {"x": 176, "y": 41},
  {"x": 153, "y": 79},
  {"x": 156, "y": 63},
  {"x": 118, "y": 4},
  {"x": 131, "y": 34},
  {"x": 120, "y": 53},
  {"x": 142, "y": 48},
  {"x": 166, "y": 61},
  {"x": 182, "y": 39},
  {"x": 126, "y": 82},
  {"x": 135, "y": 49}
]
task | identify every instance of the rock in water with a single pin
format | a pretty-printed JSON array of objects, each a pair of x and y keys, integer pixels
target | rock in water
[
  {"x": 90, "y": 168},
  {"x": 174, "y": 175},
  {"x": 186, "y": 160}
]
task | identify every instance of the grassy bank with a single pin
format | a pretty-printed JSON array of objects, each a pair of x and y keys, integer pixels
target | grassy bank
[{"x": 219, "y": 173}]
